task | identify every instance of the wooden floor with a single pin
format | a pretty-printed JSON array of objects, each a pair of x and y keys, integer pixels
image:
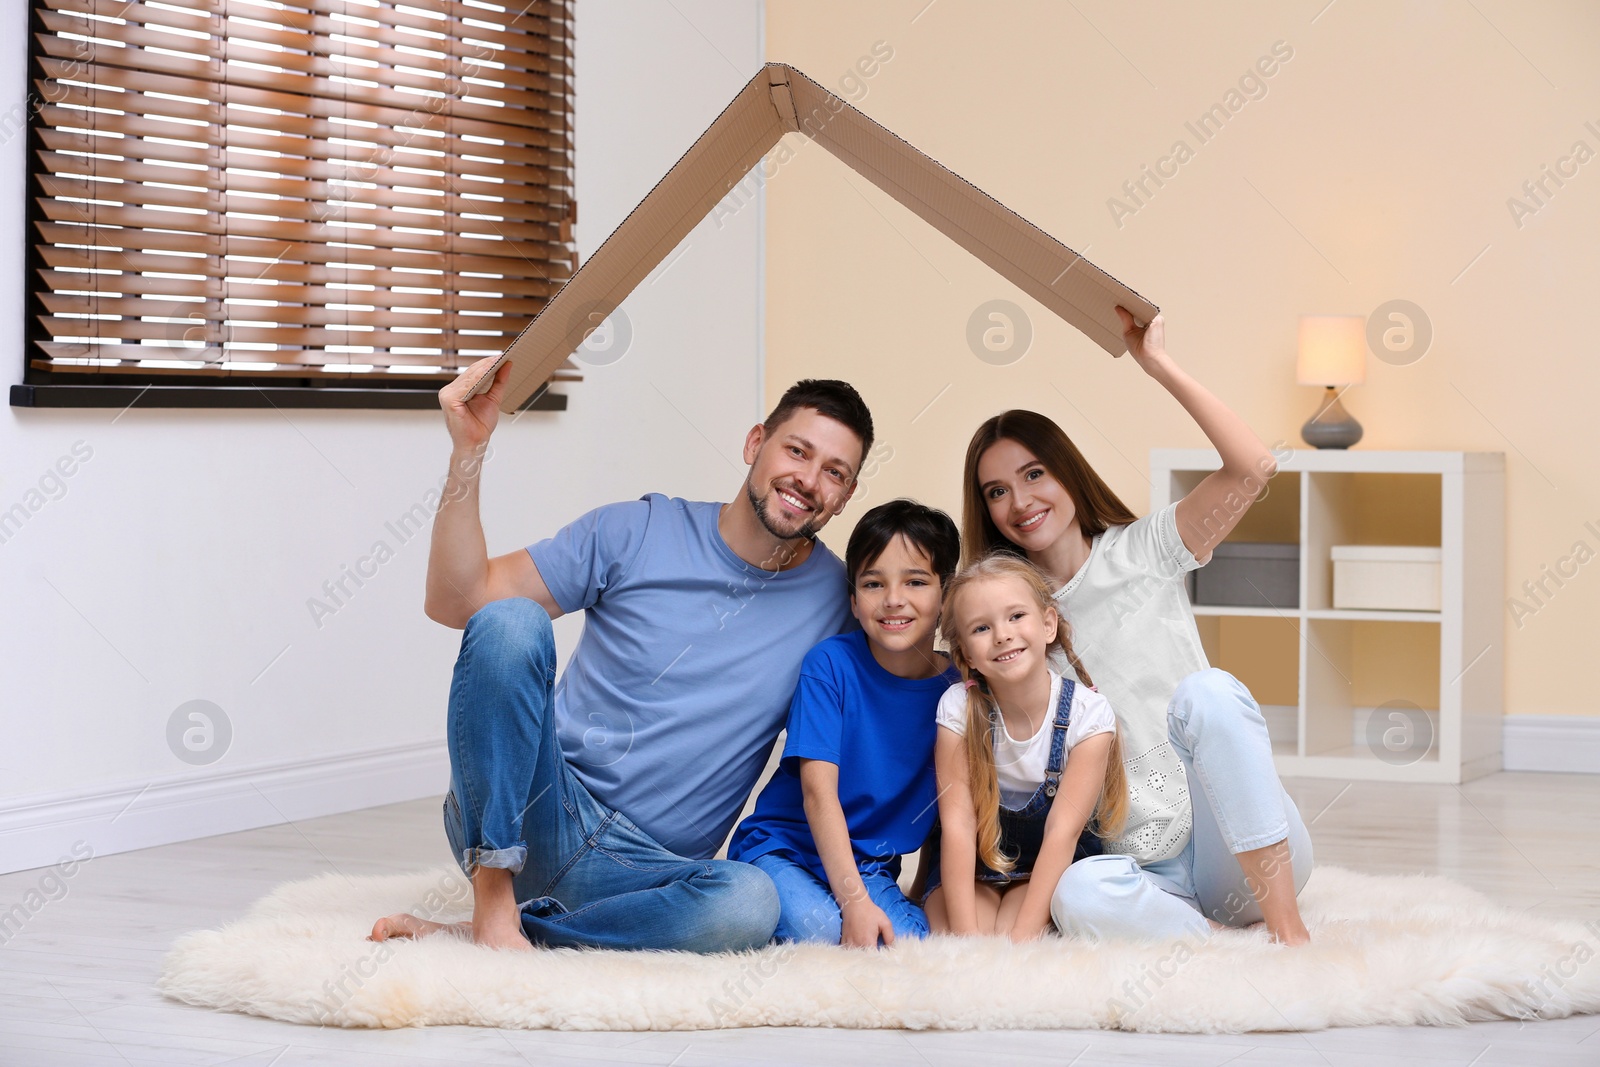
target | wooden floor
[{"x": 76, "y": 984}]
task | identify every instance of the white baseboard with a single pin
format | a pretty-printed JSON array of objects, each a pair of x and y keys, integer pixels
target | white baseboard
[
  {"x": 40, "y": 830},
  {"x": 1552, "y": 743}
]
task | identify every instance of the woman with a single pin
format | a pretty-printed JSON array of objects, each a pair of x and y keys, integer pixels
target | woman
[{"x": 1210, "y": 835}]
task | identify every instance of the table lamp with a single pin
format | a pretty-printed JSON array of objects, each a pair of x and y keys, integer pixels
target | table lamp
[{"x": 1333, "y": 354}]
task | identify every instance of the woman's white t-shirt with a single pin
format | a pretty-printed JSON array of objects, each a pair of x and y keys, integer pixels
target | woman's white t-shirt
[
  {"x": 1134, "y": 631},
  {"x": 1020, "y": 764}
]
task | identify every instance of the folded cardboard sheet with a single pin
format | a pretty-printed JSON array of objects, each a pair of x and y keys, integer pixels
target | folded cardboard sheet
[{"x": 781, "y": 100}]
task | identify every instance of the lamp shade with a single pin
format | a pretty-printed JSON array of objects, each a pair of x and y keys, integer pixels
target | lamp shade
[{"x": 1333, "y": 350}]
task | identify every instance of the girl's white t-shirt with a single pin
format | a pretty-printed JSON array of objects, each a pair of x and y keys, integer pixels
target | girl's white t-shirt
[{"x": 1020, "y": 764}]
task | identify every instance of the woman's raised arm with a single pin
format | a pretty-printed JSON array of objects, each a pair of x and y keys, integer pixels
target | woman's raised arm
[{"x": 1214, "y": 507}]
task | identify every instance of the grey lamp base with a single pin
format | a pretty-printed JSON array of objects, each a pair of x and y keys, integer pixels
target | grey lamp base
[{"x": 1332, "y": 426}]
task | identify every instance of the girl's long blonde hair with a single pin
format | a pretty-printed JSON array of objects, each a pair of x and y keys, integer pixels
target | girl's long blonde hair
[{"x": 1111, "y": 812}]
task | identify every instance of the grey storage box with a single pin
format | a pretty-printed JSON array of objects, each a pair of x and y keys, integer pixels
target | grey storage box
[{"x": 1249, "y": 575}]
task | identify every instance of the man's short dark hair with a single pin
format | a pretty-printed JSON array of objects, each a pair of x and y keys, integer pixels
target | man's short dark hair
[
  {"x": 929, "y": 529},
  {"x": 837, "y": 400}
]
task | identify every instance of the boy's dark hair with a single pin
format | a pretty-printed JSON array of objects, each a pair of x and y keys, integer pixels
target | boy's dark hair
[
  {"x": 837, "y": 400},
  {"x": 929, "y": 529}
]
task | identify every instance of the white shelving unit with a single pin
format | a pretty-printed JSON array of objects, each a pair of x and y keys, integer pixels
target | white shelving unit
[{"x": 1435, "y": 722}]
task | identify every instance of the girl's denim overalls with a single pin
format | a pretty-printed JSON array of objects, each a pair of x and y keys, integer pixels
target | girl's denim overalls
[{"x": 1022, "y": 829}]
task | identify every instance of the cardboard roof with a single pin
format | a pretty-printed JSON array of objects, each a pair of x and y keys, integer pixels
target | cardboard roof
[{"x": 780, "y": 100}]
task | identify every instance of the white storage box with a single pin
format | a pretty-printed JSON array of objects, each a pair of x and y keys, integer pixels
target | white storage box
[{"x": 1386, "y": 578}]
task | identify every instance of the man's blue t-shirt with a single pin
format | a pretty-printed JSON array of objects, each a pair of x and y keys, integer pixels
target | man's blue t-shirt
[
  {"x": 671, "y": 701},
  {"x": 878, "y": 729}
]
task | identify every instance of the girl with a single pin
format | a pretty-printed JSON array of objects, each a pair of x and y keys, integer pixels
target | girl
[
  {"x": 1210, "y": 830},
  {"x": 1025, "y": 757}
]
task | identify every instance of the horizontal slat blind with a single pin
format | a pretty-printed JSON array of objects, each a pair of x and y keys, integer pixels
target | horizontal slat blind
[{"x": 312, "y": 188}]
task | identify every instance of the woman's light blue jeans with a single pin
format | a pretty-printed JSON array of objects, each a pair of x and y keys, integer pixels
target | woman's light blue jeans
[
  {"x": 1239, "y": 805},
  {"x": 585, "y": 874},
  {"x": 810, "y": 913}
]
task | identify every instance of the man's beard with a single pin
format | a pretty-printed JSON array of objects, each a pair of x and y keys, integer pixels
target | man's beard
[{"x": 758, "y": 504}]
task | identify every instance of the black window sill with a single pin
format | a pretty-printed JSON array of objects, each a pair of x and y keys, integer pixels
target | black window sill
[{"x": 56, "y": 395}]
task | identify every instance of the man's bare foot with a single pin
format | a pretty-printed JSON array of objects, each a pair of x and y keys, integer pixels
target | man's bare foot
[
  {"x": 406, "y": 925},
  {"x": 500, "y": 934},
  {"x": 496, "y": 918}
]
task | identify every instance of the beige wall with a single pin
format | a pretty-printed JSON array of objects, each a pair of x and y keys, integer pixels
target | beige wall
[{"x": 1378, "y": 165}]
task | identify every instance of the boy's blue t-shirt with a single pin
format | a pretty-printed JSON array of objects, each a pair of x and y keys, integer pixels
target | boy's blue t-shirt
[
  {"x": 670, "y": 703},
  {"x": 878, "y": 729}
]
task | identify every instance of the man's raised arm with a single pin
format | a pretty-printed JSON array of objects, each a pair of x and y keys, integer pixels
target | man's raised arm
[{"x": 461, "y": 576}]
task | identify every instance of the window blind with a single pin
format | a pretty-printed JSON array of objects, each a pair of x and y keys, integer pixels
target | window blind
[{"x": 316, "y": 189}]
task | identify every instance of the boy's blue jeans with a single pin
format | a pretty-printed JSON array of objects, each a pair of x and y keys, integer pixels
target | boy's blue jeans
[
  {"x": 811, "y": 914},
  {"x": 585, "y": 874}
]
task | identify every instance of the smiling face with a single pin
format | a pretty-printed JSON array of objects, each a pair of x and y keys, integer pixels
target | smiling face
[
  {"x": 801, "y": 474},
  {"x": 1004, "y": 634},
  {"x": 896, "y": 597},
  {"x": 1026, "y": 503}
]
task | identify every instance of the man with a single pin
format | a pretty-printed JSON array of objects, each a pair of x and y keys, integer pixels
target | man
[{"x": 598, "y": 802}]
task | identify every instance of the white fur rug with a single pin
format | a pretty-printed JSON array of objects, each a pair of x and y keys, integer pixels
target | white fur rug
[{"x": 1386, "y": 950}]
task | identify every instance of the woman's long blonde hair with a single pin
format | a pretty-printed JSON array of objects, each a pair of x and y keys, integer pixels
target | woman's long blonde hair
[{"x": 1111, "y": 812}]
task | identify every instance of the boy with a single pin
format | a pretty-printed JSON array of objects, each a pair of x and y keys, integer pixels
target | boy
[{"x": 855, "y": 789}]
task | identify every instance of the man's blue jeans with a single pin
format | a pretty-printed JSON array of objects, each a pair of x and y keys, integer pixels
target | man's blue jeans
[{"x": 585, "y": 874}]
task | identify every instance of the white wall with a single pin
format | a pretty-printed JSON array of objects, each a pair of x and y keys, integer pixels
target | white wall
[{"x": 178, "y": 563}]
